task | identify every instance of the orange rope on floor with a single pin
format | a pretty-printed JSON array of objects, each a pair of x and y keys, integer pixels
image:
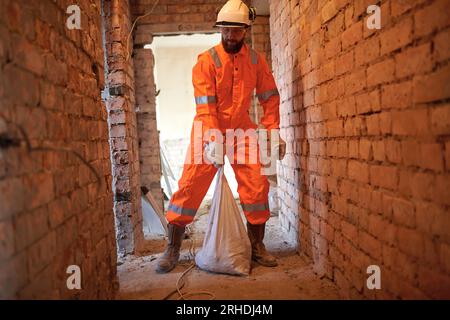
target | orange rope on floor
[{"x": 184, "y": 296}]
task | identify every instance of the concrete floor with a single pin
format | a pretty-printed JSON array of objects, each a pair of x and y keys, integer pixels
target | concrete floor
[{"x": 293, "y": 279}]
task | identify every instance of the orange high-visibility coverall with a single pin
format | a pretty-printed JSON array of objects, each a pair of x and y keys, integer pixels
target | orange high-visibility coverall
[{"x": 223, "y": 88}]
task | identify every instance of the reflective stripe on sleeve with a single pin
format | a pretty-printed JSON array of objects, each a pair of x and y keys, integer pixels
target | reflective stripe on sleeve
[
  {"x": 266, "y": 95},
  {"x": 205, "y": 99},
  {"x": 215, "y": 57}
]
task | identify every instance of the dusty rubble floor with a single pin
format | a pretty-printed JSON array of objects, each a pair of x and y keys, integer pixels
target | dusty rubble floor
[{"x": 293, "y": 278}]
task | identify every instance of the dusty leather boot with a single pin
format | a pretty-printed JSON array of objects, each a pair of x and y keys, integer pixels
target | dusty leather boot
[
  {"x": 259, "y": 253},
  {"x": 169, "y": 259}
]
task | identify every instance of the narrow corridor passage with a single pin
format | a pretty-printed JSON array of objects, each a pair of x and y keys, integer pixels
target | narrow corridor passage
[{"x": 364, "y": 109}]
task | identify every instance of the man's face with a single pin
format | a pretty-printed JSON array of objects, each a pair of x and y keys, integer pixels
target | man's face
[{"x": 233, "y": 38}]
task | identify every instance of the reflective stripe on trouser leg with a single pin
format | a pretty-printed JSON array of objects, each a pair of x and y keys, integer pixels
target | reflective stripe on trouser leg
[
  {"x": 193, "y": 185},
  {"x": 256, "y": 213},
  {"x": 253, "y": 189},
  {"x": 205, "y": 99},
  {"x": 255, "y": 207}
]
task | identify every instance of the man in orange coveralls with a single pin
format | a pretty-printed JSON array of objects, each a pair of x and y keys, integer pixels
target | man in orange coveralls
[{"x": 224, "y": 79}]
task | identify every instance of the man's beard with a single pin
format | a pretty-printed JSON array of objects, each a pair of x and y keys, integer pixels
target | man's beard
[{"x": 232, "y": 47}]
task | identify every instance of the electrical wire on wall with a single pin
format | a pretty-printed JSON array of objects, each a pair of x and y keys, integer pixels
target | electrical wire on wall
[
  {"x": 134, "y": 24},
  {"x": 7, "y": 142}
]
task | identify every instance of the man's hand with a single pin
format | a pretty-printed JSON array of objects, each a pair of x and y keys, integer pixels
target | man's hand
[
  {"x": 280, "y": 146},
  {"x": 213, "y": 154}
]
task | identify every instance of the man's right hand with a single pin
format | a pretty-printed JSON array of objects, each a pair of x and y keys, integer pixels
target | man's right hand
[{"x": 213, "y": 154}]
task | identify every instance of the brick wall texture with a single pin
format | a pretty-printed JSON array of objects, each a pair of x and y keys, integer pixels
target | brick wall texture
[
  {"x": 149, "y": 150},
  {"x": 260, "y": 41},
  {"x": 175, "y": 16},
  {"x": 175, "y": 152},
  {"x": 365, "y": 115},
  {"x": 53, "y": 211},
  {"x": 123, "y": 128}
]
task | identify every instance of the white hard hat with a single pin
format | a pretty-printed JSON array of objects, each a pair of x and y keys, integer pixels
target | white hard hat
[{"x": 235, "y": 13}]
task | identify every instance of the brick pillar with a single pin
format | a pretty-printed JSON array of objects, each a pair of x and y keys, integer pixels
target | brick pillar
[
  {"x": 123, "y": 128},
  {"x": 149, "y": 149}
]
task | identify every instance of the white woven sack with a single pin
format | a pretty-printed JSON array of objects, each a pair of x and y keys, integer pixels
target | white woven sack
[{"x": 226, "y": 247}]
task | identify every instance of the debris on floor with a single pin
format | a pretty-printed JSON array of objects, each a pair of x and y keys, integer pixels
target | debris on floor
[{"x": 292, "y": 279}]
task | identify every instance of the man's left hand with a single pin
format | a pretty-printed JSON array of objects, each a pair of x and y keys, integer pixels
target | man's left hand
[
  {"x": 281, "y": 146},
  {"x": 281, "y": 149}
]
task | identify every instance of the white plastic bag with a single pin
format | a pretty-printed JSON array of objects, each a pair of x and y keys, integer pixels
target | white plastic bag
[{"x": 226, "y": 247}]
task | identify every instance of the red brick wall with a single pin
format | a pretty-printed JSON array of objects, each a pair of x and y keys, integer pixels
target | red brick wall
[
  {"x": 176, "y": 16},
  {"x": 53, "y": 213},
  {"x": 260, "y": 32},
  {"x": 365, "y": 115},
  {"x": 123, "y": 128},
  {"x": 260, "y": 39}
]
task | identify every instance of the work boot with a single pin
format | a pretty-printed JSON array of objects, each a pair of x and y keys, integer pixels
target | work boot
[
  {"x": 170, "y": 257},
  {"x": 259, "y": 253}
]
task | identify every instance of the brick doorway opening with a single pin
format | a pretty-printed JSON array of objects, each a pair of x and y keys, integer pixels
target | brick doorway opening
[
  {"x": 153, "y": 116},
  {"x": 174, "y": 58}
]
